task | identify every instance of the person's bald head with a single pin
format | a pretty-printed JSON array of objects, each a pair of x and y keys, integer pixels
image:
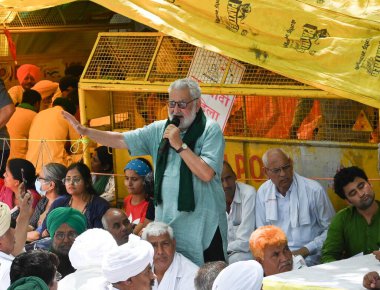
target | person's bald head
[{"x": 117, "y": 223}]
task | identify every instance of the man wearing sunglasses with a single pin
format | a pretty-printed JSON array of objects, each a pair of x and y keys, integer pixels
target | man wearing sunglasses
[
  {"x": 297, "y": 205},
  {"x": 188, "y": 190}
]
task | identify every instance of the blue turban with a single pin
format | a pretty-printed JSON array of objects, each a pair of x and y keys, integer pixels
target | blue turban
[
  {"x": 29, "y": 283},
  {"x": 66, "y": 215},
  {"x": 139, "y": 166}
]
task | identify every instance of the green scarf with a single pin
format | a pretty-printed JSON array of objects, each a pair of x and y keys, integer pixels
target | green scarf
[
  {"x": 29, "y": 283},
  {"x": 186, "y": 200},
  {"x": 101, "y": 183},
  {"x": 27, "y": 106}
]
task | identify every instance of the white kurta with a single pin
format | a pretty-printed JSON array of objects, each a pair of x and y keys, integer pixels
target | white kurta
[
  {"x": 304, "y": 214},
  {"x": 241, "y": 223},
  {"x": 179, "y": 276},
  {"x": 90, "y": 278},
  {"x": 5, "y": 268}
]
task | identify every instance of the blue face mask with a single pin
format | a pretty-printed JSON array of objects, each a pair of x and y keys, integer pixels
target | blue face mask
[{"x": 38, "y": 185}]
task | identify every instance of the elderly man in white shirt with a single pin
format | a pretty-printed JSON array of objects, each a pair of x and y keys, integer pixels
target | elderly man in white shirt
[
  {"x": 299, "y": 206},
  {"x": 240, "y": 204},
  {"x": 173, "y": 270}
]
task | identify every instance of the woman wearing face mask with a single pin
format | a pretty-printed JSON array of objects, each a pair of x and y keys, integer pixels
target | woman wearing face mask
[{"x": 49, "y": 185}]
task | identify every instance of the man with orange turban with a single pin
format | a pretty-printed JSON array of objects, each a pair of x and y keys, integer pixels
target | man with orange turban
[{"x": 28, "y": 75}]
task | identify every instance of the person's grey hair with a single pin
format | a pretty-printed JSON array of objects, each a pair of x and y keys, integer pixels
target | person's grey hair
[
  {"x": 187, "y": 83},
  {"x": 56, "y": 172},
  {"x": 155, "y": 229},
  {"x": 270, "y": 151},
  {"x": 207, "y": 274}
]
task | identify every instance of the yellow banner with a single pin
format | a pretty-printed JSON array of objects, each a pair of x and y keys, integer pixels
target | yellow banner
[
  {"x": 332, "y": 45},
  {"x": 335, "y": 52}
]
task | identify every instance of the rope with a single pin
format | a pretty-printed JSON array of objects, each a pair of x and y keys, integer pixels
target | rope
[{"x": 75, "y": 147}]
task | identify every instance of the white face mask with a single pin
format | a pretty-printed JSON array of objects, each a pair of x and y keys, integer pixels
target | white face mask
[{"x": 39, "y": 188}]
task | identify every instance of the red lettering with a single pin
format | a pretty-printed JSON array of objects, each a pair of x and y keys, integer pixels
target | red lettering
[
  {"x": 239, "y": 161},
  {"x": 260, "y": 165}
]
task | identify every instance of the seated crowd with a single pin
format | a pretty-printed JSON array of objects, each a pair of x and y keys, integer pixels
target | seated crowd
[
  {"x": 71, "y": 233},
  {"x": 57, "y": 222}
]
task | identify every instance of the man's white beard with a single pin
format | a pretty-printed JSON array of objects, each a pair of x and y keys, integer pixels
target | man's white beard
[{"x": 185, "y": 122}]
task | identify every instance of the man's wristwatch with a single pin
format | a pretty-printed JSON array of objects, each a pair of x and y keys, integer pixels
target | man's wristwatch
[{"x": 183, "y": 147}]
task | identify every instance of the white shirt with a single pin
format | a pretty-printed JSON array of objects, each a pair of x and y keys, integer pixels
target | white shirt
[
  {"x": 5, "y": 268},
  {"x": 312, "y": 199},
  {"x": 241, "y": 223},
  {"x": 179, "y": 276},
  {"x": 90, "y": 278}
]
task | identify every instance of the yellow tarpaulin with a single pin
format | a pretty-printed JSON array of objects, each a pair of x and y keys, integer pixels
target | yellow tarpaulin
[{"x": 332, "y": 45}]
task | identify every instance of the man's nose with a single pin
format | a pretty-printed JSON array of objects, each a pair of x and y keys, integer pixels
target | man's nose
[
  {"x": 282, "y": 172},
  {"x": 159, "y": 249},
  {"x": 176, "y": 109},
  {"x": 283, "y": 257},
  {"x": 361, "y": 192}
]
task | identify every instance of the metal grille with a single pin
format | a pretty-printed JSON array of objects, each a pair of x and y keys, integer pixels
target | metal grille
[
  {"x": 4, "y": 48},
  {"x": 172, "y": 61},
  {"x": 121, "y": 58},
  {"x": 79, "y": 13},
  {"x": 304, "y": 119},
  {"x": 154, "y": 57},
  {"x": 143, "y": 60},
  {"x": 69, "y": 14}
]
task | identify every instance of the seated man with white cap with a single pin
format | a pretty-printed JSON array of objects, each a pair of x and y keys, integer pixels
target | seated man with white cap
[
  {"x": 86, "y": 255},
  {"x": 173, "y": 270},
  {"x": 129, "y": 266},
  {"x": 12, "y": 241},
  {"x": 243, "y": 275}
]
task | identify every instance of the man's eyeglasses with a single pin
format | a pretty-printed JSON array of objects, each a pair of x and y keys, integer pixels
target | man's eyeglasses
[
  {"x": 69, "y": 180},
  {"x": 181, "y": 104},
  {"x": 278, "y": 170},
  {"x": 61, "y": 236}
]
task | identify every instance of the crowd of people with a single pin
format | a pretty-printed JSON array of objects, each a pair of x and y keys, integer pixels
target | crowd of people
[{"x": 187, "y": 222}]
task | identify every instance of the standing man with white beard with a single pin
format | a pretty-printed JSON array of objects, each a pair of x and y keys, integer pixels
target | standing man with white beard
[{"x": 188, "y": 191}]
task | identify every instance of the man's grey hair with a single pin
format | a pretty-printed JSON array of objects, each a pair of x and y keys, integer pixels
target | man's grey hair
[
  {"x": 207, "y": 274},
  {"x": 155, "y": 229},
  {"x": 271, "y": 151},
  {"x": 187, "y": 83}
]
